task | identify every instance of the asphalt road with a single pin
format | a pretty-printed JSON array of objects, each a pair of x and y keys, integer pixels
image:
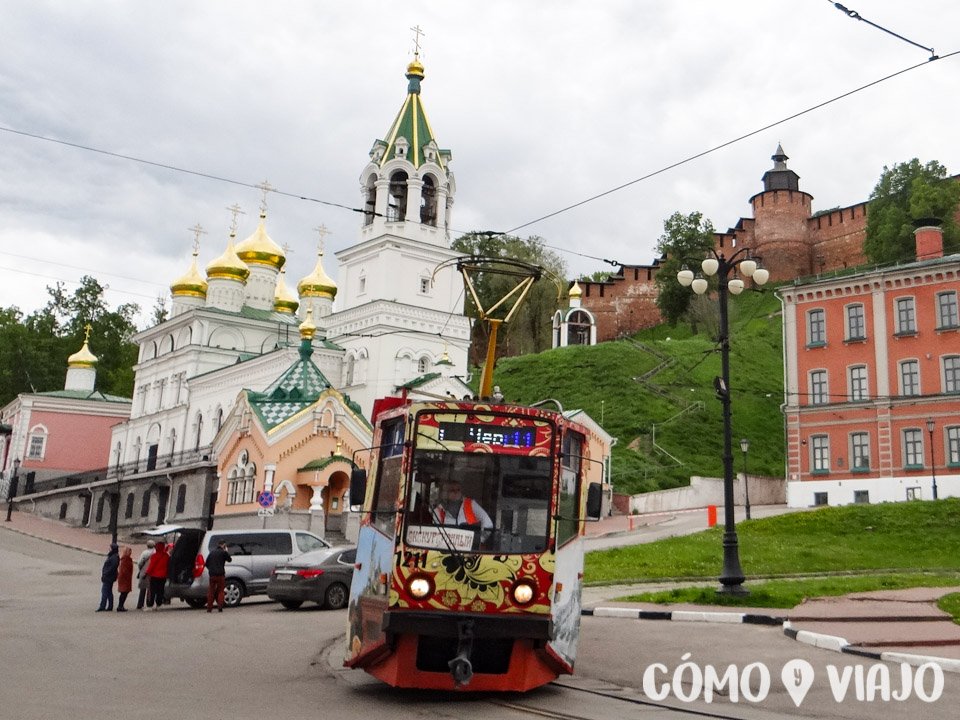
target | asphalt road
[{"x": 59, "y": 659}]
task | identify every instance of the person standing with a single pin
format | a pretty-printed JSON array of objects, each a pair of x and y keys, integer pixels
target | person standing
[
  {"x": 108, "y": 576},
  {"x": 217, "y": 573},
  {"x": 143, "y": 581},
  {"x": 124, "y": 578},
  {"x": 157, "y": 572}
]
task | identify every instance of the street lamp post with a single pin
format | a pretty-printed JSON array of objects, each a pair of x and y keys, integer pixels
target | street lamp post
[
  {"x": 12, "y": 489},
  {"x": 731, "y": 576},
  {"x": 745, "y": 448},
  {"x": 933, "y": 457}
]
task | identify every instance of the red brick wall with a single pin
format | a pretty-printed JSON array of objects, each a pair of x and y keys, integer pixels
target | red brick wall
[
  {"x": 624, "y": 304},
  {"x": 780, "y": 232}
]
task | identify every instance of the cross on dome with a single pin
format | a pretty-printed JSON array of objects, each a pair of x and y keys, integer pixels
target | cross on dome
[
  {"x": 265, "y": 187},
  {"x": 197, "y": 231},
  {"x": 417, "y": 32},
  {"x": 235, "y": 210},
  {"x": 322, "y": 231}
]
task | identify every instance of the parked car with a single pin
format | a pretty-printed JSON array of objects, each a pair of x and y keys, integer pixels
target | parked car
[
  {"x": 255, "y": 553},
  {"x": 321, "y": 576}
]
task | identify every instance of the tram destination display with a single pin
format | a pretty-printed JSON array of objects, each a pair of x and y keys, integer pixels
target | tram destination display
[{"x": 496, "y": 435}]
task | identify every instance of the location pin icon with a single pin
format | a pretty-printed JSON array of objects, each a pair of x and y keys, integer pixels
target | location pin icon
[{"x": 797, "y": 677}]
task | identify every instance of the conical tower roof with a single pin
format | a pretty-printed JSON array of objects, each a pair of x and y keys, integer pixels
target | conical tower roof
[{"x": 412, "y": 125}]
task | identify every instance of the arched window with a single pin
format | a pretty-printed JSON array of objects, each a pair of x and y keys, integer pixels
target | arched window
[
  {"x": 145, "y": 504},
  {"x": 181, "y": 498},
  {"x": 578, "y": 328},
  {"x": 37, "y": 444},
  {"x": 63, "y": 511},
  {"x": 423, "y": 365},
  {"x": 348, "y": 374},
  {"x": 370, "y": 200},
  {"x": 100, "y": 503},
  {"x": 219, "y": 418},
  {"x": 428, "y": 201},
  {"x": 397, "y": 198},
  {"x": 199, "y": 427},
  {"x": 128, "y": 511}
]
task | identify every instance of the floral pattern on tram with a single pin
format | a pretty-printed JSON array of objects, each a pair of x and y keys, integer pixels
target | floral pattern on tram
[{"x": 474, "y": 583}]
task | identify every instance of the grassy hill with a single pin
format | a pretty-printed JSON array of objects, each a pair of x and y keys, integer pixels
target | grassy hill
[{"x": 664, "y": 378}]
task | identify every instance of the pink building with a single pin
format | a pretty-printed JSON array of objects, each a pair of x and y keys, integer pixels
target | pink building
[
  {"x": 61, "y": 432},
  {"x": 872, "y": 382}
]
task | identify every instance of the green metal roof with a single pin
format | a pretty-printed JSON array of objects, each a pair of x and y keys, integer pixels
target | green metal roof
[
  {"x": 95, "y": 395},
  {"x": 418, "y": 381},
  {"x": 412, "y": 124},
  {"x": 298, "y": 388},
  {"x": 321, "y": 463}
]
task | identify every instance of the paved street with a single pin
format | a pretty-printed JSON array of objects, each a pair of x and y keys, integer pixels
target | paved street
[{"x": 60, "y": 659}]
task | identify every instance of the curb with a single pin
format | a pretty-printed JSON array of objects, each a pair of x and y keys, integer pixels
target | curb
[
  {"x": 820, "y": 640},
  {"x": 61, "y": 543}
]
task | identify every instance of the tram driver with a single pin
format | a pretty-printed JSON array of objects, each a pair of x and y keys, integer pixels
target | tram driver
[{"x": 455, "y": 509}]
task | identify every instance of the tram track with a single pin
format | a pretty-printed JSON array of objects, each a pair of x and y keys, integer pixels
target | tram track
[{"x": 547, "y": 712}]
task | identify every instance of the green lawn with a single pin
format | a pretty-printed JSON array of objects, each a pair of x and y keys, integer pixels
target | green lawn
[{"x": 862, "y": 547}]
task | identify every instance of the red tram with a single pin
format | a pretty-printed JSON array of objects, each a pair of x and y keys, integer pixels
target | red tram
[{"x": 470, "y": 550}]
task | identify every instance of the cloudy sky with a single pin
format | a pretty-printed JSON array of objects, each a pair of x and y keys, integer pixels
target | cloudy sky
[{"x": 543, "y": 104}]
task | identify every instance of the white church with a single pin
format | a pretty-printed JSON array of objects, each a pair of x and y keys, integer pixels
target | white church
[{"x": 389, "y": 325}]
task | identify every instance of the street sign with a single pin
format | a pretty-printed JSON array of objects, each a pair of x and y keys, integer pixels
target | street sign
[{"x": 266, "y": 499}]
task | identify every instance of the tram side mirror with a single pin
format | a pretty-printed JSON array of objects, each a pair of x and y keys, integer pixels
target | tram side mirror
[
  {"x": 358, "y": 486},
  {"x": 594, "y": 501}
]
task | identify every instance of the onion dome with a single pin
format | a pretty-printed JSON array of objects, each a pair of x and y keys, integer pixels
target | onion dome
[
  {"x": 229, "y": 265},
  {"x": 192, "y": 284},
  {"x": 307, "y": 328},
  {"x": 284, "y": 301},
  {"x": 318, "y": 283},
  {"x": 83, "y": 358},
  {"x": 575, "y": 291},
  {"x": 445, "y": 358},
  {"x": 259, "y": 249}
]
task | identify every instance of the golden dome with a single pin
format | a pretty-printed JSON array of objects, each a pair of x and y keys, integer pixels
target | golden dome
[
  {"x": 83, "y": 358},
  {"x": 318, "y": 283},
  {"x": 307, "y": 328},
  {"x": 192, "y": 284},
  {"x": 229, "y": 265},
  {"x": 415, "y": 68},
  {"x": 284, "y": 301},
  {"x": 575, "y": 291},
  {"x": 259, "y": 249}
]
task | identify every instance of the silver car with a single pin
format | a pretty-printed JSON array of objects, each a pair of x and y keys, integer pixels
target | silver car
[{"x": 255, "y": 553}]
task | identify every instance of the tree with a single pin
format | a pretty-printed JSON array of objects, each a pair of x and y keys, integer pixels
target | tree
[
  {"x": 530, "y": 328},
  {"x": 34, "y": 349},
  {"x": 685, "y": 239},
  {"x": 907, "y": 192}
]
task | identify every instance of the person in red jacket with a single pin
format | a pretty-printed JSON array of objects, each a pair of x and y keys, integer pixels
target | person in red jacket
[
  {"x": 124, "y": 578},
  {"x": 157, "y": 572}
]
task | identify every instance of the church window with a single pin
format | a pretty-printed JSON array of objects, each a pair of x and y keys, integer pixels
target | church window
[
  {"x": 578, "y": 328},
  {"x": 370, "y": 200},
  {"x": 424, "y": 286},
  {"x": 423, "y": 365},
  {"x": 397, "y": 199},
  {"x": 128, "y": 511},
  {"x": 181, "y": 498},
  {"x": 348, "y": 374},
  {"x": 363, "y": 285},
  {"x": 428, "y": 202},
  {"x": 145, "y": 505},
  {"x": 199, "y": 430}
]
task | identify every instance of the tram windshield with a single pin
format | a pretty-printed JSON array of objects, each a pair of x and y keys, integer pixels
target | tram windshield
[{"x": 479, "y": 487}]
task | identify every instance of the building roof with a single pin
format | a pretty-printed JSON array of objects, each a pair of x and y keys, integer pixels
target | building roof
[
  {"x": 412, "y": 124},
  {"x": 94, "y": 395}
]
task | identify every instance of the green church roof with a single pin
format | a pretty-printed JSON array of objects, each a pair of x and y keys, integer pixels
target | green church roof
[
  {"x": 298, "y": 388},
  {"x": 412, "y": 124}
]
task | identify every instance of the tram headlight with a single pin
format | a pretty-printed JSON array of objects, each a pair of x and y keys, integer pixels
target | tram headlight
[
  {"x": 523, "y": 592},
  {"x": 419, "y": 587}
]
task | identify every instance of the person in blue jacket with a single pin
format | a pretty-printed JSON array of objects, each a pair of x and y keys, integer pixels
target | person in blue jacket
[{"x": 108, "y": 576}]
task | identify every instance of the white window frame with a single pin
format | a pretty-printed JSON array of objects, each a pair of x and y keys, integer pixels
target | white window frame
[
  {"x": 914, "y": 376},
  {"x": 861, "y": 319},
  {"x": 905, "y": 314},
  {"x": 947, "y": 301},
  {"x": 950, "y": 365},
  {"x": 37, "y": 442},
  {"x": 912, "y": 439},
  {"x": 858, "y": 383},
  {"x": 859, "y": 451},
  {"x": 952, "y": 433},
  {"x": 819, "y": 392},
  {"x": 819, "y": 454},
  {"x": 816, "y": 328}
]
